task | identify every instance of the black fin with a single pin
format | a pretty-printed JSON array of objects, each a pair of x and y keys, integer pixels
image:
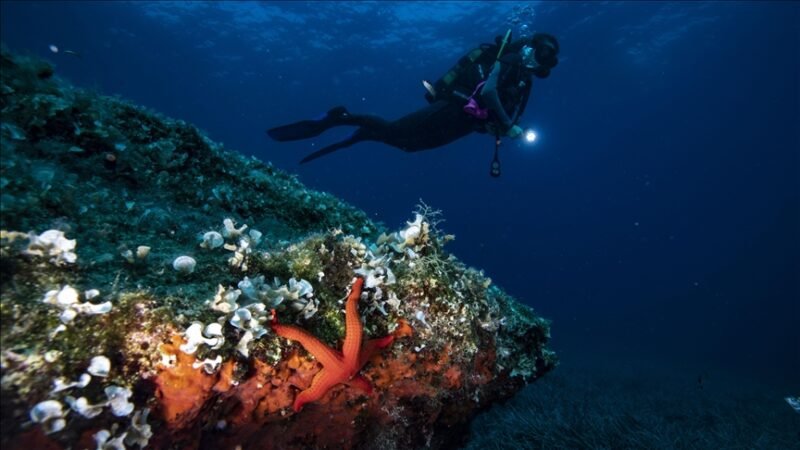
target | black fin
[
  {"x": 354, "y": 138},
  {"x": 296, "y": 131},
  {"x": 308, "y": 128}
]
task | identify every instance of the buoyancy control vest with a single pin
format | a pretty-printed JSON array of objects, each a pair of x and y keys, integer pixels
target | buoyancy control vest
[{"x": 474, "y": 67}]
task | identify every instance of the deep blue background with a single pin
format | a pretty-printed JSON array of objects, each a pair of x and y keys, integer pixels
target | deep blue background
[{"x": 656, "y": 219}]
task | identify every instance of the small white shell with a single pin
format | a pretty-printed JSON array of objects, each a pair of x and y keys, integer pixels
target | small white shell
[
  {"x": 99, "y": 366},
  {"x": 128, "y": 255},
  {"x": 52, "y": 356},
  {"x": 47, "y": 409},
  {"x": 212, "y": 240},
  {"x": 142, "y": 251},
  {"x": 184, "y": 264}
]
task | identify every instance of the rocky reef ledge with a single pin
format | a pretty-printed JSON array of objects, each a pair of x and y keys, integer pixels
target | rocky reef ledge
[{"x": 140, "y": 263}]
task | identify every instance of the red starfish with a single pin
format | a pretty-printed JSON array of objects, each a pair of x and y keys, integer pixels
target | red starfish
[{"x": 337, "y": 367}]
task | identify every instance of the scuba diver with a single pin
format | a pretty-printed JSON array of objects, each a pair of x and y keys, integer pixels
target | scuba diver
[{"x": 485, "y": 92}]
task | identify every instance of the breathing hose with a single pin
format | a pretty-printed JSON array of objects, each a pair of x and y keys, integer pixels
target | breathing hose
[{"x": 494, "y": 170}]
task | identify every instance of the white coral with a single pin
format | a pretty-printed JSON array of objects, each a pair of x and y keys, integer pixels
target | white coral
[
  {"x": 306, "y": 306},
  {"x": 413, "y": 231},
  {"x": 241, "y": 318},
  {"x": 61, "y": 384},
  {"x": 118, "y": 400},
  {"x": 84, "y": 408},
  {"x": 92, "y": 308},
  {"x": 49, "y": 413},
  {"x": 105, "y": 442},
  {"x": 213, "y": 330},
  {"x": 225, "y": 300},
  {"x": 298, "y": 292},
  {"x": 139, "y": 432},
  {"x": 52, "y": 243},
  {"x": 230, "y": 231},
  {"x": 244, "y": 243},
  {"x": 210, "y": 366},
  {"x": 64, "y": 298},
  {"x": 241, "y": 347},
  {"x": 251, "y": 288},
  {"x": 250, "y": 318},
  {"x": 194, "y": 338},
  {"x": 409, "y": 241},
  {"x": 67, "y": 299}
]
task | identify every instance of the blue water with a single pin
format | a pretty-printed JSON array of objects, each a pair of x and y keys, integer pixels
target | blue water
[{"x": 656, "y": 218}]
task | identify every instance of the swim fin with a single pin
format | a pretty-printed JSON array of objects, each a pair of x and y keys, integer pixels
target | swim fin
[
  {"x": 309, "y": 128},
  {"x": 352, "y": 139}
]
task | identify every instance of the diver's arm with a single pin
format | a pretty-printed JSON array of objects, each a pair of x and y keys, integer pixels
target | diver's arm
[{"x": 491, "y": 99}]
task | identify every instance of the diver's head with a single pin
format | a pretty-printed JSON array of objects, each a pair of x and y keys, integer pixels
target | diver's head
[{"x": 541, "y": 54}]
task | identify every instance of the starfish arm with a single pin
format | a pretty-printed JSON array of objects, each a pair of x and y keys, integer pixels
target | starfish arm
[
  {"x": 353, "y": 328},
  {"x": 327, "y": 356},
  {"x": 323, "y": 381},
  {"x": 371, "y": 347},
  {"x": 361, "y": 383}
]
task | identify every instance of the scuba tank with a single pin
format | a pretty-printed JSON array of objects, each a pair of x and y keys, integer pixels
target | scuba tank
[
  {"x": 462, "y": 78},
  {"x": 445, "y": 86}
]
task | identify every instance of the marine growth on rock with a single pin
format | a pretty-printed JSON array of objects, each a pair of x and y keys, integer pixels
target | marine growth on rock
[{"x": 137, "y": 292}]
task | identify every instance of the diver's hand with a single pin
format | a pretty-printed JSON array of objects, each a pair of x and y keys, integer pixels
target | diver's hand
[{"x": 514, "y": 132}]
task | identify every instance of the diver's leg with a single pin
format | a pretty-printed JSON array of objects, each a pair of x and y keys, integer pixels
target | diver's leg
[
  {"x": 433, "y": 126},
  {"x": 437, "y": 124}
]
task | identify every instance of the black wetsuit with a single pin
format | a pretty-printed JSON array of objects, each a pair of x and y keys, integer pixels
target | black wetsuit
[{"x": 441, "y": 122}]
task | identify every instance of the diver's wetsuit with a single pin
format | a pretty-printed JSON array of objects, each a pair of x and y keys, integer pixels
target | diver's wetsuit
[
  {"x": 437, "y": 124},
  {"x": 443, "y": 121}
]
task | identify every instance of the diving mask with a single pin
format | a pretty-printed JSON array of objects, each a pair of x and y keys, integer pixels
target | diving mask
[
  {"x": 529, "y": 58},
  {"x": 542, "y": 56}
]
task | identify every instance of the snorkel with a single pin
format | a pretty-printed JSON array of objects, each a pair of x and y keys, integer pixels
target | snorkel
[{"x": 503, "y": 45}]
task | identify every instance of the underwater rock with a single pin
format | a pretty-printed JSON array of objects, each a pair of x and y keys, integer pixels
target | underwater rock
[{"x": 164, "y": 358}]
